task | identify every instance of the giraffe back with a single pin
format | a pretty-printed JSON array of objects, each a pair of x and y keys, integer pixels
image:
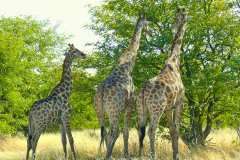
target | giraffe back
[{"x": 47, "y": 111}]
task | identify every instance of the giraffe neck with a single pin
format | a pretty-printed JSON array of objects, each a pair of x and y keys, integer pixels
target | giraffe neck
[
  {"x": 129, "y": 55},
  {"x": 67, "y": 71},
  {"x": 174, "y": 58},
  {"x": 64, "y": 87}
]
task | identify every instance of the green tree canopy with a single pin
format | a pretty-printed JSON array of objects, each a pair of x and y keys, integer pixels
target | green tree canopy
[{"x": 210, "y": 62}]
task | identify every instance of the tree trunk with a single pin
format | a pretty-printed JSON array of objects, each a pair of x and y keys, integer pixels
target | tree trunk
[{"x": 195, "y": 133}]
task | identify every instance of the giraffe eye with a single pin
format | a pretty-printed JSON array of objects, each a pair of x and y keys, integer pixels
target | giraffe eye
[{"x": 73, "y": 51}]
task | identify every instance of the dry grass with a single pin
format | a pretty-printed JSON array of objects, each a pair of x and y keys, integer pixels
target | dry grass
[{"x": 221, "y": 147}]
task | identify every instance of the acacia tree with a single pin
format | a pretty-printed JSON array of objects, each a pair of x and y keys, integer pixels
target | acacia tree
[
  {"x": 212, "y": 74},
  {"x": 210, "y": 55}
]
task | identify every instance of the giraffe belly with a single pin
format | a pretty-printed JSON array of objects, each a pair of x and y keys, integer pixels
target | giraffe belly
[
  {"x": 115, "y": 100},
  {"x": 43, "y": 115}
]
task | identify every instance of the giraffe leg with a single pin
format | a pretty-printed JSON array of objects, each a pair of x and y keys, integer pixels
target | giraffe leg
[
  {"x": 28, "y": 146},
  {"x": 174, "y": 132},
  {"x": 174, "y": 117},
  {"x": 67, "y": 128},
  {"x": 64, "y": 141},
  {"x": 34, "y": 142},
  {"x": 154, "y": 119},
  {"x": 112, "y": 135},
  {"x": 127, "y": 118}
]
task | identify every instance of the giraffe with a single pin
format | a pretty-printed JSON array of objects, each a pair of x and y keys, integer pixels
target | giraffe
[
  {"x": 114, "y": 95},
  {"x": 164, "y": 93},
  {"x": 54, "y": 109}
]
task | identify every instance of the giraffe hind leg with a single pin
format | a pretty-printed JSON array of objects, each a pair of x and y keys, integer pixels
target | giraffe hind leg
[
  {"x": 151, "y": 134},
  {"x": 112, "y": 134},
  {"x": 103, "y": 137},
  {"x": 112, "y": 137},
  {"x": 34, "y": 142},
  {"x": 28, "y": 145},
  {"x": 154, "y": 120}
]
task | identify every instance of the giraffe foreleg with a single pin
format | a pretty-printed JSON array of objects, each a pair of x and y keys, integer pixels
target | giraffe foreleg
[
  {"x": 66, "y": 125},
  {"x": 64, "y": 141},
  {"x": 174, "y": 132}
]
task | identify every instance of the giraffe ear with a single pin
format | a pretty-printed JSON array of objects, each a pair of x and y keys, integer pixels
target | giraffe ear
[{"x": 71, "y": 46}]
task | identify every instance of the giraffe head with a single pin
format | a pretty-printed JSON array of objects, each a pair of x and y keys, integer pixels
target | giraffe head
[
  {"x": 74, "y": 52},
  {"x": 178, "y": 30},
  {"x": 181, "y": 18},
  {"x": 130, "y": 53}
]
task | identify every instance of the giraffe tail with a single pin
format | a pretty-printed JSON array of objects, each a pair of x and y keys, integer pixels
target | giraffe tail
[
  {"x": 100, "y": 109},
  {"x": 29, "y": 141},
  {"x": 102, "y": 135},
  {"x": 142, "y": 120}
]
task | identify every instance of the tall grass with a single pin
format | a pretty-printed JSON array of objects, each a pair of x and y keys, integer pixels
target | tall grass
[{"x": 222, "y": 146}]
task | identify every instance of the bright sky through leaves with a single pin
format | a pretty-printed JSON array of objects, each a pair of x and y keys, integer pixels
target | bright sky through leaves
[{"x": 68, "y": 16}]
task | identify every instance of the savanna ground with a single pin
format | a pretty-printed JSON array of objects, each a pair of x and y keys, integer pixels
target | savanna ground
[{"x": 222, "y": 145}]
